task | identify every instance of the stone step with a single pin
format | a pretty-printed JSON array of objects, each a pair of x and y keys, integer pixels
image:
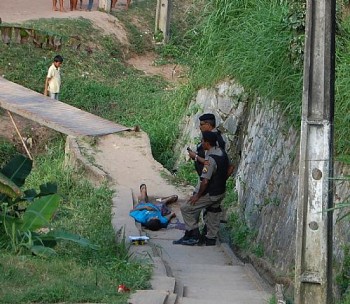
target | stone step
[
  {"x": 179, "y": 288},
  {"x": 212, "y": 294},
  {"x": 163, "y": 283},
  {"x": 213, "y": 268},
  {"x": 226, "y": 282},
  {"x": 148, "y": 297},
  {"x": 171, "y": 299},
  {"x": 177, "y": 254},
  {"x": 251, "y": 297},
  {"x": 227, "y": 277}
]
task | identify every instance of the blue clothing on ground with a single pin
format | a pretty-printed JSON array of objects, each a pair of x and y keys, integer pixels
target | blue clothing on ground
[{"x": 143, "y": 216}]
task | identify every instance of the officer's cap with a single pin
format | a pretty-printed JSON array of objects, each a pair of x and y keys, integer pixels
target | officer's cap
[{"x": 207, "y": 116}]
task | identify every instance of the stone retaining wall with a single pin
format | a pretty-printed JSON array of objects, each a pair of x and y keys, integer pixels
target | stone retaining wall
[{"x": 265, "y": 150}]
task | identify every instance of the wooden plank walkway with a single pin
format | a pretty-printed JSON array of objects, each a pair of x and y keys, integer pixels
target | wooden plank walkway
[{"x": 53, "y": 114}]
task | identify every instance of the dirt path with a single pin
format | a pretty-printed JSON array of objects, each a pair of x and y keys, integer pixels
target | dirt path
[{"x": 128, "y": 159}]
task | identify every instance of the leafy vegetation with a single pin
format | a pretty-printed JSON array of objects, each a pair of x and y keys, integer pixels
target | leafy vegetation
[
  {"x": 75, "y": 274},
  {"x": 343, "y": 277},
  {"x": 25, "y": 215},
  {"x": 241, "y": 236},
  {"x": 186, "y": 173},
  {"x": 246, "y": 40}
]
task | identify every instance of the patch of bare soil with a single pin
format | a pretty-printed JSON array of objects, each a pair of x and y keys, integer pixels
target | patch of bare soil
[
  {"x": 33, "y": 134},
  {"x": 147, "y": 63},
  {"x": 108, "y": 24}
]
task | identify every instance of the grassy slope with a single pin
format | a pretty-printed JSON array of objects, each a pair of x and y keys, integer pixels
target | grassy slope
[
  {"x": 96, "y": 79},
  {"x": 76, "y": 274},
  {"x": 248, "y": 40}
]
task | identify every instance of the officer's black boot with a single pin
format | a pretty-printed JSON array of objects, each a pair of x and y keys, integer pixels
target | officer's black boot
[
  {"x": 185, "y": 237},
  {"x": 190, "y": 238},
  {"x": 210, "y": 242},
  {"x": 194, "y": 238}
]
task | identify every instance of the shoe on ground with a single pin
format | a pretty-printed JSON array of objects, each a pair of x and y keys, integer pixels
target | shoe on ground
[
  {"x": 190, "y": 242},
  {"x": 190, "y": 238},
  {"x": 210, "y": 242},
  {"x": 186, "y": 241},
  {"x": 188, "y": 234},
  {"x": 179, "y": 241}
]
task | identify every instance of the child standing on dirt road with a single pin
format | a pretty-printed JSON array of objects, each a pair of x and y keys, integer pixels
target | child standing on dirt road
[
  {"x": 53, "y": 78},
  {"x": 54, "y": 6}
]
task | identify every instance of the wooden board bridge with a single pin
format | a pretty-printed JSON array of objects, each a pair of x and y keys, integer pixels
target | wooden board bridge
[{"x": 53, "y": 114}]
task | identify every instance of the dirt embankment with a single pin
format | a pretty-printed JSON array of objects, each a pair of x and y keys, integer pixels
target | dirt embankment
[{"x": 15, "y": 11}]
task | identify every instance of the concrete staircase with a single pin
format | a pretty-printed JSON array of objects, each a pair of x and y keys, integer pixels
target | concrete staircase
[
  {"x": 163, "y": 285},
  {"x": 201, "y": 283},
  {"x": 187, "y": 274},
  {"x": 211, "y": 275},
  {"x": 163, "y": 288}
]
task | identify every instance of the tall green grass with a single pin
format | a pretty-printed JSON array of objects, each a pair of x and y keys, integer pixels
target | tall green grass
[
  {"x": 249, "y": 41},
  {"x": 342, "y": 91},
  {"x": 246, "y": 40}
]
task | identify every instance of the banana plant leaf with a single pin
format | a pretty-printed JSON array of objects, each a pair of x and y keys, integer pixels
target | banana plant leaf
[
  {"x": 18, "y": 169},
  {"x": 8, "y": 187},
  {"x": 43, "y": 251},
  {"x": 40, "y": 212},
  {"x": 45, "y": 189},
  {"x": 67, "y": 236}
]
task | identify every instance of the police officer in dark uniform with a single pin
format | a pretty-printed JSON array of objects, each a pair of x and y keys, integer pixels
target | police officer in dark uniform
[
  {"x": 207, "y": 122},
  {"x": 209, "y": 193}
]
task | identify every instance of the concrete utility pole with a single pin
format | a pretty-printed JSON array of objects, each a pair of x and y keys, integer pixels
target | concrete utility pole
[
  {"x": 163, "y": 20},
  {"x": 313, "y": 264}
]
